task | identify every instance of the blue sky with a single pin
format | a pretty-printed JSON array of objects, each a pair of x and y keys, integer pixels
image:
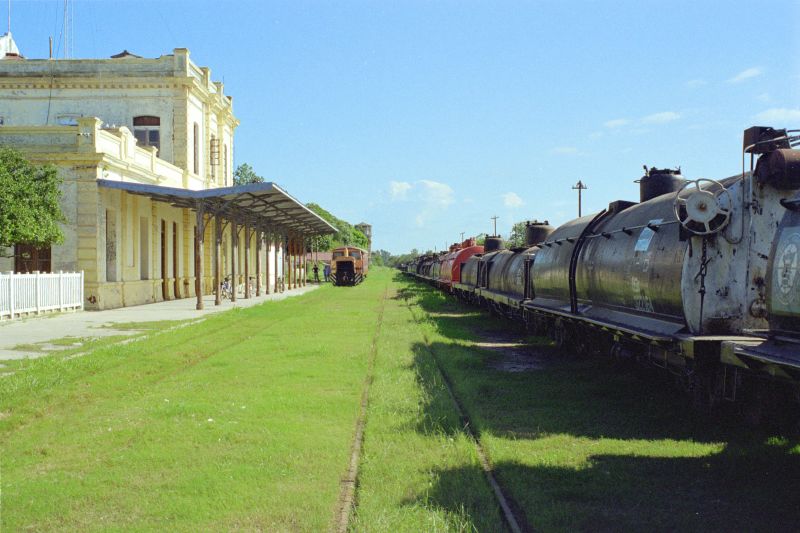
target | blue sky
[{"x": 426, "y": 119}]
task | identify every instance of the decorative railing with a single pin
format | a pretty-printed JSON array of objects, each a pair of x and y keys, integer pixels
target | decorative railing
[{"x": 39, "y": 292}]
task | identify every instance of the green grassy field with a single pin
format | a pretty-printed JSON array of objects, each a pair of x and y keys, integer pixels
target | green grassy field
[
  {"x": 246, "y": 421},
  {"x": 241, "y": 421},
  {"x": 580, "y": 444}
]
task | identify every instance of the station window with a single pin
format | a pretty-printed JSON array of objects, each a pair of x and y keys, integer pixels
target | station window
[
  {"x": 147, "y": 131},
  {"x": 213, "y": 154},
  {"x": 2, "y": 121}
]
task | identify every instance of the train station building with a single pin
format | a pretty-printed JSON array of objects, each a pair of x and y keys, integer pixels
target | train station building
[{"x": 145, "y": 150}]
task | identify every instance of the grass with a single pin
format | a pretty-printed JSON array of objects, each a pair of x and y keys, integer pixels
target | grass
[
  {"x": 245, "y": 421},
  {"x": 242, "y": 421},
  {"x": 585, "y": 445},
  {"x": 419, "y": 470}
]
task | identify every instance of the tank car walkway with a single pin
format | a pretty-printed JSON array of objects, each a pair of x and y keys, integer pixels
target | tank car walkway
[{"x": 93, "y": 324}]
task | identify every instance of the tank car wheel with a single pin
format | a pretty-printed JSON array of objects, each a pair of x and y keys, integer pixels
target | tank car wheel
[{"x": 702, "y": 211}]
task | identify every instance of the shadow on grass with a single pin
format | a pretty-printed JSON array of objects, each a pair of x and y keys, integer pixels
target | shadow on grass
[
  {"x": 729, "y": 491},
  {"x": 652, "y": 483},
  {"x": 646, "y": 474}
]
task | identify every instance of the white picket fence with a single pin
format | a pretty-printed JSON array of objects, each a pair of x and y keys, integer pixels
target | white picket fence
[{"x": 35, "y": 293}]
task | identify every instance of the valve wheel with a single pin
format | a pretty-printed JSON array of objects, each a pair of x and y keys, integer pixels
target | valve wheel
[{"x": 701, "y": 211}]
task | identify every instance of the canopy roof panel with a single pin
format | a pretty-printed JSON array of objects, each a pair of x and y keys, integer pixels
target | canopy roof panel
[{"x": 260, "y": 204}]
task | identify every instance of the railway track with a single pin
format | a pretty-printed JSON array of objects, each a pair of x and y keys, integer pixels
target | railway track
[
  {"x": 515, "y": 521},
  {"x": 348, "y": 484}
]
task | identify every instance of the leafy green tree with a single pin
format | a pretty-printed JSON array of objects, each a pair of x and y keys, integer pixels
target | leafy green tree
[
  {"x": 517, "y": 236},
  {"x": 385, "y": 256},
  {"x": 29, "y": 202},
  {"x": 346, "y": 234},
  {"x": 245, "y": 174}
]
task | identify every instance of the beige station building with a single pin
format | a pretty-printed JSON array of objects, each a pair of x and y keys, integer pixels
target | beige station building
[{"x": 145, "y": 150}]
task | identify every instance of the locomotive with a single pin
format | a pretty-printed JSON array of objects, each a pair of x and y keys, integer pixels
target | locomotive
[
  {"x": 349, "y": 266},
  {"x": 701, "y": 277}
]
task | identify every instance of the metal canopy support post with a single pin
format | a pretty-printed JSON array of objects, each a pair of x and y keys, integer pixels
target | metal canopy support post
[
  {"x": 293, "y": 244},
  {"x": 198, "y": 255},
  {"x": 247, "y": 259},
  {"x": 234, "y": 258},
  {"x": 259, "y": 242},
  {"x": 277, "y": 270},
  {"x": 218, "y": 261},
  {"x": 287, "y": 273},
  {"x": 268, "y": 243},
  {"x": 287, "y": 261},
  {"x": 305, "y": 262}
]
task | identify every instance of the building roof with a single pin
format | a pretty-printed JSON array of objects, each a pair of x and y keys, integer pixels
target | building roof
[{"x": 260, "y": 204}]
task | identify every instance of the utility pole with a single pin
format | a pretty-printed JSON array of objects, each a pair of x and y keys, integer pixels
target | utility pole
[
  {"x": 579, "y": 187},
  {"x": 494, "y": 219},
  {"x": 462, "y": 236}
]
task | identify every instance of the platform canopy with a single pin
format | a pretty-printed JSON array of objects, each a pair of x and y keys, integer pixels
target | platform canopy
[{"x": 260, "y": 204}]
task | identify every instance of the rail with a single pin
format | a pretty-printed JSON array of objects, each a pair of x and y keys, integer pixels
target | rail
[{"x": 39, "y": 292}]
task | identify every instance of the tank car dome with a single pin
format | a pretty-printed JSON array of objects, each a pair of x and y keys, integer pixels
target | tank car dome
[
  {"x": 658, "y": 181},
  {"x": 492, "y": 244},
  {"x": 536, "y": 232}
]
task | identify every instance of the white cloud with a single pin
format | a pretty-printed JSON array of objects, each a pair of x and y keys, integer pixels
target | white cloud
[
  {"x": 695, "y": 83},
  {"x": 512, "y": 200},
  {"x": 616, "y": 123},
  {"x": 436, "y": 193},
  {"x": 661, "y": 118},
  {"x": 763, "y": 97},
  {"x": 746, "y": 74},
  {"x": 778, "y": 116},
  {"x": 565, "y": 150},
  {"x": 399, "y": 189}
]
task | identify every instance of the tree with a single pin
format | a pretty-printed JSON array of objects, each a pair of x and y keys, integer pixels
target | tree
[
  {"x": 346, "y": 234},
  {"x": 517, "y": 237},
  {"x": 29, "y": 202},
  {"x": 245, "y": 174}
]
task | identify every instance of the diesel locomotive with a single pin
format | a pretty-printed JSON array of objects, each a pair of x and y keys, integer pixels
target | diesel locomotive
[
  {"x": 701, "y": 277},
  {"x": 349, "y": 265}
]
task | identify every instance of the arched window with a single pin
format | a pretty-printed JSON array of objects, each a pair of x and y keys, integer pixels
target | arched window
[{"x": 146, "y": 129}]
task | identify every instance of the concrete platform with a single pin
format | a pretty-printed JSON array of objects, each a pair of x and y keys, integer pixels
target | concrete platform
[{"x": 82, "y": 324}]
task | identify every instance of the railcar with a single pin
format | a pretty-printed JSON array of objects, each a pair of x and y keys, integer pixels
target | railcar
[
  {"x": 700, "y": 276},
  {"x": 450, "y": 264},
  {"x": 349, "y": 265}
]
